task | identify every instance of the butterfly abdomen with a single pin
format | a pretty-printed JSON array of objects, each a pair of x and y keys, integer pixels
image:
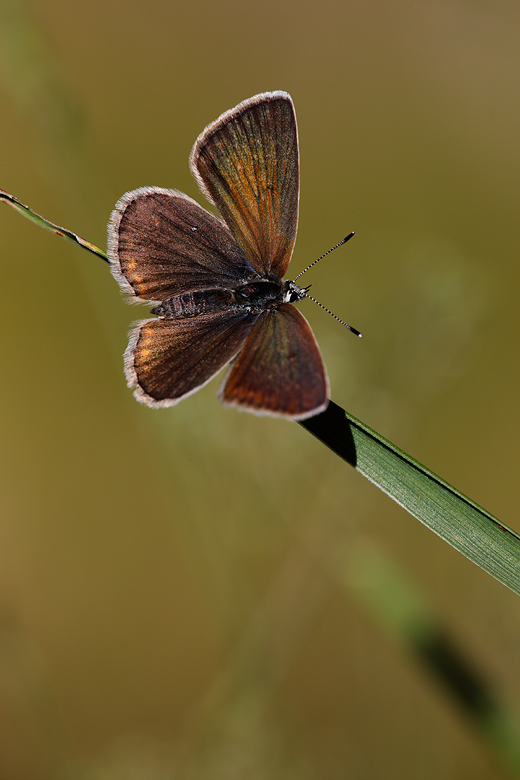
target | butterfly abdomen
[{"x": 191, "y": 304}]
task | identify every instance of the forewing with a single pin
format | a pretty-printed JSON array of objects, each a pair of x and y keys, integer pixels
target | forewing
[
  {"x": 166, "y": 360},
  {"x": 161, "y": 243},
  {"x": 280, "y": 370},
  {"x": 246, "y": 163}
]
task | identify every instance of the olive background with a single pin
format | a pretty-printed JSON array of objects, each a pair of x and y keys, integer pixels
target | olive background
[{"x": 179, "y": 588}]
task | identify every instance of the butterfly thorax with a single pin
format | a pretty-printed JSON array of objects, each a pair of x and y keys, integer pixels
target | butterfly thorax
[{"x": 253, "y": 296}]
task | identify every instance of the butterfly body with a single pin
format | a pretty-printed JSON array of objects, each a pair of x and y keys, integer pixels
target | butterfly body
[
  {"x": 252, "y": 297},
  {"x": 217, "y": 284}
]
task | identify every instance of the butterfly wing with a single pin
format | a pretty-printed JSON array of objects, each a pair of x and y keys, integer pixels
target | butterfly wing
[
  {"x": 279, "y": 370},
  {"x": 161, "y": 243},
  {"x": 167, "y": 360},
  {"x": 246, "y": 163}
]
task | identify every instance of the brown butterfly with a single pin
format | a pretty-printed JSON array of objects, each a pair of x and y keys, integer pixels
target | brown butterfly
[{"x": 218, "y": 283}]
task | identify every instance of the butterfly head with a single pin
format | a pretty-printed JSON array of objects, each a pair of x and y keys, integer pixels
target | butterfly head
[{"x": 292, "y": 293}]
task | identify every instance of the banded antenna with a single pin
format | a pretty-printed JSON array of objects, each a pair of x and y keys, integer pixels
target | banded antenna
[{"x": 305, "y": 289}]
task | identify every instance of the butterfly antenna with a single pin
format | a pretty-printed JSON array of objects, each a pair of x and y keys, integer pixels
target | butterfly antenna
[
  {"x": 347, "y": 238},
  {"x": 352, "y": 330},
  {"x": 306, "y": 289}
]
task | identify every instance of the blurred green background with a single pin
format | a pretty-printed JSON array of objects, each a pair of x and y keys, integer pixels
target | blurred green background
[{"x": 183, "y": 592}]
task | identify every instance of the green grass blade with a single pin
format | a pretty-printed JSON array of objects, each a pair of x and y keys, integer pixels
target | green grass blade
[
  {"x": 455, "y": 518},
  {"x": 44, "y": 223}
]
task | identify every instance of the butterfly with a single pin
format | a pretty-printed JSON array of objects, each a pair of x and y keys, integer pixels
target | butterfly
[{"x": 217, "y": 284}]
